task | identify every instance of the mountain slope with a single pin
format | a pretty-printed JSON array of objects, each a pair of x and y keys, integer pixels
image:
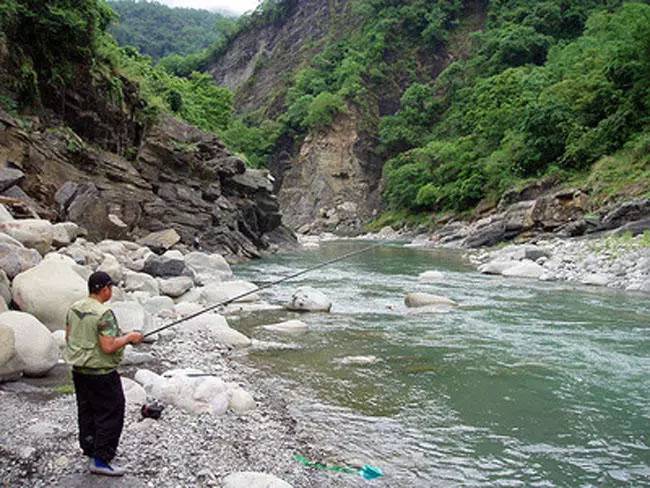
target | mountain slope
[{"x": 444, "y": 105}]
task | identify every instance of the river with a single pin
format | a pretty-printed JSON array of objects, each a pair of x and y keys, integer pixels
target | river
[{"x": 526, "y": 383}]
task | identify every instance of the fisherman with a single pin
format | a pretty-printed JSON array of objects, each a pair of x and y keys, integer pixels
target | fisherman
[{"x": 94, "y": 348}]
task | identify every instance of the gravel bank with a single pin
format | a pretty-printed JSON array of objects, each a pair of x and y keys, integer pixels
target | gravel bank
[{"x": 38, "y": 445}]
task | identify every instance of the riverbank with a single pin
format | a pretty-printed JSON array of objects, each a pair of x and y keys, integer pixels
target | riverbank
[{"x": 220, "y": 419}]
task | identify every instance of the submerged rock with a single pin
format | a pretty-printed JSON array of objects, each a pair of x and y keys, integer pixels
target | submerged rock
[
  {"x": 425, "y": 299},
  {"x": 290, "y": 326}
]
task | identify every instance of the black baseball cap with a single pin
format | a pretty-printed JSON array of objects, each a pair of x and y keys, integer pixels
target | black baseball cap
[{"x": 98, "y": 280}]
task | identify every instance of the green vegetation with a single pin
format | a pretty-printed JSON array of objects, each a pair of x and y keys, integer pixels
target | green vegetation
[
  {"x": 158, "y": 31},
  {"x": 511, "y": 112},
  {"x": 54, "y": 44}
]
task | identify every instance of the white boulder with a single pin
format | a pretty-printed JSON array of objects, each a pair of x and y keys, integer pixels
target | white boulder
[
  {"x": 426, "y": 299},
  {"x": 497, "y": 266},
  {"x": 220, "y": 292},
  {"x": 208, "y": 268},
  {"x": 47, "y": 291},
  {"x": 249, "y": 479},
  {"x": 176, "y": 286},
  {"x": 35, "y": 347},
  {"x": 595, "y": 279},
  {"x": 7, "y": 344},
  {"x": 307, "y": 299},
  {"x": 290, "y": 326},
  {"x": 141, "y": 282},
  {"x": 32, "y": 233},
  {"x": 524, "y": 269}
]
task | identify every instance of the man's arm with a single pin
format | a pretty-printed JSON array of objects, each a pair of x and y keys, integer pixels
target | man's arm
[{"x": 110, "y": 344}]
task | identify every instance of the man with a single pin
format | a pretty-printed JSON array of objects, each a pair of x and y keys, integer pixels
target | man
[{"x": 94, "y": 348}]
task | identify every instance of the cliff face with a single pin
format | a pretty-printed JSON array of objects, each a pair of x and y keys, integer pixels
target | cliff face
[
  {"x": 330, "y": 180},
  {"x": 258, "y": 62},
  {"x": 182, "y": 178}
]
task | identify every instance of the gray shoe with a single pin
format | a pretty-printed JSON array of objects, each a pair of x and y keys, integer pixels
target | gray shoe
[{"x": 97, "y": 466}]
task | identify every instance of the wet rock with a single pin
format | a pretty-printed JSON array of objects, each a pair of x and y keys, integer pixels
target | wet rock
[
  {"x": 307, "y": 299},
  {"x": 290, "y": 326},
  {"x": 425, "y": 299},
  {"x": 496, "y": 267},
  {"x": 35, "y": 347}
]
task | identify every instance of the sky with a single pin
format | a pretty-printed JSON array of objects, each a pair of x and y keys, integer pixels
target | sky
[{"x": 237, "y": 7}]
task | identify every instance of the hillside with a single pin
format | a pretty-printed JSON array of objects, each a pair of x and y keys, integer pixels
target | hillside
[
  {"x": 422, "y": 108},
  {"x": 158, "y": 31},
  {"x": 91, "y": 133}
]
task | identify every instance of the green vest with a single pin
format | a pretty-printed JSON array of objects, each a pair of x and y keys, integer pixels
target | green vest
[{"x": 88, "y": 319}]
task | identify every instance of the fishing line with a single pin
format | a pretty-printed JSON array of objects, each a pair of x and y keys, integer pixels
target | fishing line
[{"x": 260, "y": 288}]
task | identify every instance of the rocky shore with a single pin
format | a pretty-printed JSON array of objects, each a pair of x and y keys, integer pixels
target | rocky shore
[{"x": 223, "y": 424}]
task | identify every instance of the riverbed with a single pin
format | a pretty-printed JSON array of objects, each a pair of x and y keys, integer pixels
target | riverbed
[{"x": 526, "y": 383}]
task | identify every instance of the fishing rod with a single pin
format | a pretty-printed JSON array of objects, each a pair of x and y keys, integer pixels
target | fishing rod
[{"x": 260, "y": 288}]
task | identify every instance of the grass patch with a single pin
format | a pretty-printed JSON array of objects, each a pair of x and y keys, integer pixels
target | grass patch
[{"x": 616, "y": 244}]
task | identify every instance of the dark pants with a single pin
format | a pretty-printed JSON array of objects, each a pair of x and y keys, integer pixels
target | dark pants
[{"x": 100, "y": 404}]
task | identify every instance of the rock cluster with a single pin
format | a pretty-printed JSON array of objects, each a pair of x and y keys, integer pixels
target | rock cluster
[
  {"x": 180, "y": 184},
  {"x": 607, "y": 261}
]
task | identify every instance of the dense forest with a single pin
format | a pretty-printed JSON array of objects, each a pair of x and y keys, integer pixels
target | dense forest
[{"x": 158, "y": 31}]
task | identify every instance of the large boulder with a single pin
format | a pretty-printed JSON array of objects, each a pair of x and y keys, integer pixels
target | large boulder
[
  {"x": 426, "y": 299},
  {"x": 524, "y": 269},
  {"x": 64, "y": 233},
  {"x": 208, "y": 268},
  {"x": 249, "y": 479},
  {"x": 307, "y": 299},
  {"x": 496, "y": 266},
  {"x": 14, "y": 260},
  {"x": 35, "y": 347},
  {"x": 47, "y": 291},
  {"x": 221, "y": 292},
  {"x": 32, "y": 233}
]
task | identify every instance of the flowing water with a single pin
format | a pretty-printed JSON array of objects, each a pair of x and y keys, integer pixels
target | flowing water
[{"x": 524, "y": 384}]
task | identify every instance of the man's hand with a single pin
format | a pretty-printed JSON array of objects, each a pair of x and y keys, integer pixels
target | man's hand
[{"x": 135, "y": 337}]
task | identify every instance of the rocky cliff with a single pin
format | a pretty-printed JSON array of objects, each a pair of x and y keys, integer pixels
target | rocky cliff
[{"x": 180, "y": 178}]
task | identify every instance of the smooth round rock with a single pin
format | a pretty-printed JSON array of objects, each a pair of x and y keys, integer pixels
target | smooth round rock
[{"x": 35, "y": 346}]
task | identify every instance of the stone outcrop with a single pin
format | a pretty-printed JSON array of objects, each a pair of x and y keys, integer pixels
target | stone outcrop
[{"x": 179, "y": 179}]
